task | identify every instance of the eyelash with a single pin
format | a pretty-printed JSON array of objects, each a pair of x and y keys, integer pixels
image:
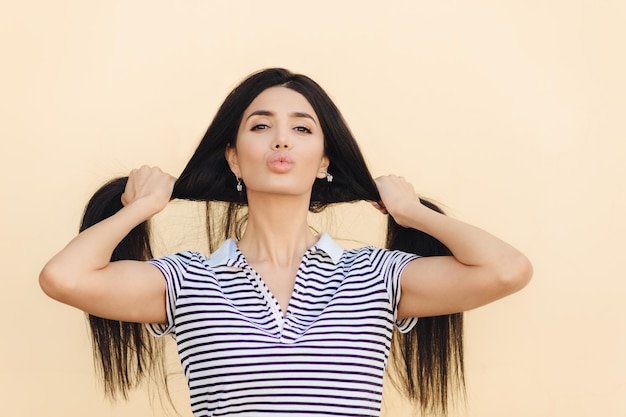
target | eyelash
[{"x": 261, "y": 126}]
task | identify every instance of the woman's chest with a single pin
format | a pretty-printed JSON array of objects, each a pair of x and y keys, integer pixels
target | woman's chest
[{"x": 242, "y": 306}]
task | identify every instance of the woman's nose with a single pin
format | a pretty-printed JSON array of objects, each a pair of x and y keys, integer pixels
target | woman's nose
[{"x": 281, "y": 140}]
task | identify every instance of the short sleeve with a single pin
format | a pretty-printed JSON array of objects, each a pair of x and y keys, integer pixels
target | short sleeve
[
  {"x": 174, "y": 269},
  {"x": 392, "y": 263}
]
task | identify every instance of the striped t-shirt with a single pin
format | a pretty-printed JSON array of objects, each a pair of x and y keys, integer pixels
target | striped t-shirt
[{"x": 325, "y": 357}]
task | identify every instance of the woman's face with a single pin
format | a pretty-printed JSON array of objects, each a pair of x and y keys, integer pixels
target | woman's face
[{"x": 280, "y": 145}]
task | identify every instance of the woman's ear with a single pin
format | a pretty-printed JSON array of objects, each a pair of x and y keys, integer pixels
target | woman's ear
[
  {"x": 231, "y": 156},
  {"x": 323, "y": 167}
]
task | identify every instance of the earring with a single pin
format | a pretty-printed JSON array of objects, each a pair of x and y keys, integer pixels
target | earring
[
  {"x": 239, "y": 185},
  {"x": 329, "y": 177}
]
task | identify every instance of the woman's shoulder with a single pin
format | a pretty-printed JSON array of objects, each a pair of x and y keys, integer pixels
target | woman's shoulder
[
  {"x": 364, "y": 254},
  {"x": 224, "y": 252},
  {"x": 180, "y": 260},
  {"x": 184, "y": 255},
  {"x": 376, "y": 255},
  {"x": 367, "y": 250}
]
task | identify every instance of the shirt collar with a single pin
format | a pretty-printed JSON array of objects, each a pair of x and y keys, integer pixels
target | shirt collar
[
  {"x": 226, "y": 254},
  {"x": 328, "y": 245}
]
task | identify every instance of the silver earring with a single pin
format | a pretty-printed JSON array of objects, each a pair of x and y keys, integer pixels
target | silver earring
[
  {"x": 239, "y": 185},
  {"x": 329, "y": 177}
]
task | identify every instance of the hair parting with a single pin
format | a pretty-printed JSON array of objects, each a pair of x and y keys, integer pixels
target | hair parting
[{"x": 427, "y": 361}]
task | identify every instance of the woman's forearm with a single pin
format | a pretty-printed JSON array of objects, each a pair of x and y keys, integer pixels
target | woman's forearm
[
  {"x": 147, "y": 192},
  {"x": 470, "y": 245},
  {"x": 89, "y": 252},
  {"x": 92, "y": 248}
]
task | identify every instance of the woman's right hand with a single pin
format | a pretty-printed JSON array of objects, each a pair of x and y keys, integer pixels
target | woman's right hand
[
  {"x": 82, "y": 274},
  {"x": 150, "y": 186}
]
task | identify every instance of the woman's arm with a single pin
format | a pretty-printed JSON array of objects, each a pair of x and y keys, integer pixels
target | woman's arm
[
  {"x": 482, "y": 269},
  {"x": 81, "y": 274}
]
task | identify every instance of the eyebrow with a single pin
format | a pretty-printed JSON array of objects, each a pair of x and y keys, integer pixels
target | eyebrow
[{"x": 269, "y": 113}]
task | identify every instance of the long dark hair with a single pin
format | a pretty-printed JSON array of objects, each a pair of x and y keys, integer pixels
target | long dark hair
[
  {"x": 124, "y": 353},
  {"x": 428, "y": 359},
  {"x": 427, "y": 362}
]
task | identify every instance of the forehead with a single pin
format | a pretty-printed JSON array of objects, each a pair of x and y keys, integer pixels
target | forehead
[{"x": 280, "y": 100}]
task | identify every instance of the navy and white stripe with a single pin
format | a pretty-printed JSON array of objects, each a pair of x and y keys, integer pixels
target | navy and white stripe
[{"x": 325, "y": 357}]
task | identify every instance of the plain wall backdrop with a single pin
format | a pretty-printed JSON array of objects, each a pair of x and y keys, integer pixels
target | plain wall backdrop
[{"x": 511, "y": 113}]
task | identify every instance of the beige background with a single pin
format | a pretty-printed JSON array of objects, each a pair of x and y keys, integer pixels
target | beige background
[{"x": 509, "y": 112}]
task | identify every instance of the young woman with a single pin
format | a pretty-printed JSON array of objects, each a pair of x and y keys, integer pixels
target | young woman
[{"x": 279, "y": 319}]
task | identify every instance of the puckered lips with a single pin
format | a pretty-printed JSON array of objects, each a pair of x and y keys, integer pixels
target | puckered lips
[{"x": 280, "y": 162}]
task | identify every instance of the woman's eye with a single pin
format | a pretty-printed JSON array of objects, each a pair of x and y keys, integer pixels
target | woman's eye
[
  {"x": 303, "y": 129},
  {"x": 260, "y": 126}
]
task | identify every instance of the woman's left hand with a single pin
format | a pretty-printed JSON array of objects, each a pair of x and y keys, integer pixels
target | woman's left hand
[
  {"x": 482, "y": 268},
  {"x": 398, "y": 198}
]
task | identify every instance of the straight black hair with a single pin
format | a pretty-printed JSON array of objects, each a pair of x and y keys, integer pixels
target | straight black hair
[
  {"x": 428, "y": 360},
  {"x": 124, "y": 353}
]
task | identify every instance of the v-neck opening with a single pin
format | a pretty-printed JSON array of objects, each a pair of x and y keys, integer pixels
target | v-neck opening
[{"x": 271, "y": 299}]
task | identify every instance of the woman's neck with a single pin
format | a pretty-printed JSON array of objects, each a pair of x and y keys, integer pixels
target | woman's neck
[{"x": 277, "y": 230}]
